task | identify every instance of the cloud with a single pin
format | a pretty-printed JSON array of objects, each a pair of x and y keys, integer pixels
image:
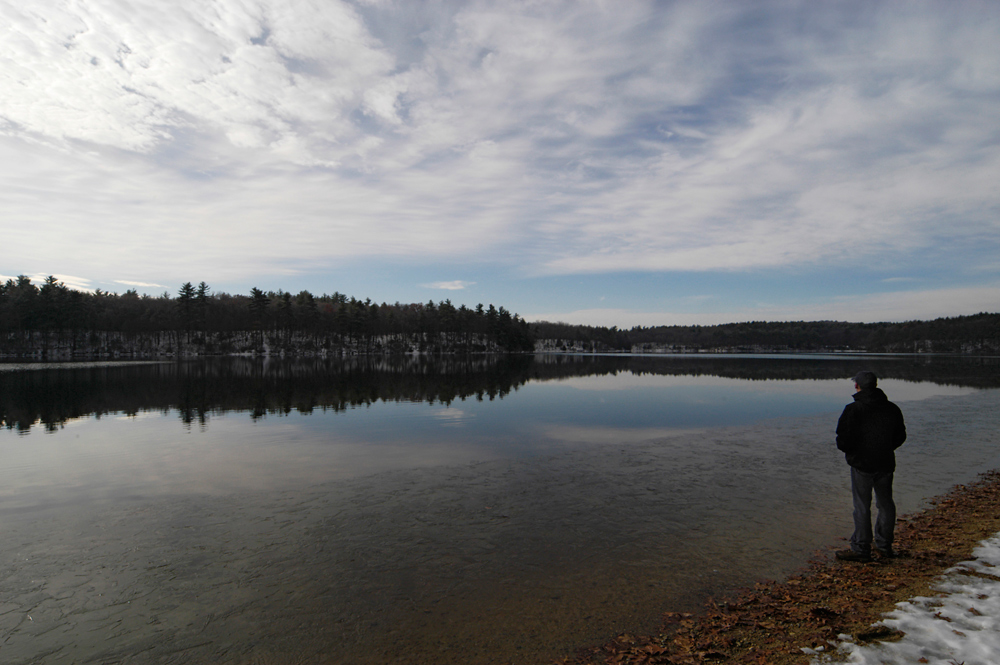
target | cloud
[
  {"x": 138, "y": 77},
  {"x": 141, "y": 284},
  {"x": 456, "y": 285},
  {"x": 231, "y": 139},
  {"x": 71, "y": 281}
]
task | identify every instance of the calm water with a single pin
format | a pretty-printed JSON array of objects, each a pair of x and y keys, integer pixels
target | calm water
[{"x": 466, "y": 510}]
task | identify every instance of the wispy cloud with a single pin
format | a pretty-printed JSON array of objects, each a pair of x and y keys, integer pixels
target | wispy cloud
[
  {"x": 235, "y": 139},
  {"x": 142, "y": 284},
  {"x": 71, "y": 281},
  {"x": 456, "y": 285}
]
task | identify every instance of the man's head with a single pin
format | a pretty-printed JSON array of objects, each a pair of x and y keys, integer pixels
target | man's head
[{"x": 866, "y": 379}]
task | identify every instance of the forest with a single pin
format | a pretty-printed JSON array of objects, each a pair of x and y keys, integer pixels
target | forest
[
  {"x": 198, "y": 321},
  {"x": 976, "y": 334},
  {"x": 52, "y": 320}
]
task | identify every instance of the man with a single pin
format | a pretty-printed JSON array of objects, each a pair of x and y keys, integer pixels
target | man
[{"x": 868, "y": 432}]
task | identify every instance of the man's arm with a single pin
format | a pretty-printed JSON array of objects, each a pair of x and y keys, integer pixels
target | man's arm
[
  {"x": 846, "y": 438},
  {"x": 900, "y": 429}
]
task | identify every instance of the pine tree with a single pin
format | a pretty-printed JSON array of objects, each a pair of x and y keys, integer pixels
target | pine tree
[{"x": 185, "y": 305}]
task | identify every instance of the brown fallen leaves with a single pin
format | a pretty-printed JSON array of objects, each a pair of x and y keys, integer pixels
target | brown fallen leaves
[{"x": 769, "y": 624}]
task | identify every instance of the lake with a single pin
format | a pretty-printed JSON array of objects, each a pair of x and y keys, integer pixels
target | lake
[{"x": 413, "y": 510}]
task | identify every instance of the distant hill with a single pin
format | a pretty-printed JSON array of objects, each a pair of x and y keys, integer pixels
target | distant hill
[{"x": 975, "y": 334}]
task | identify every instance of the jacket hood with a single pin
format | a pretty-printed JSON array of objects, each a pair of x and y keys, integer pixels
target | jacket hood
[{"x": 870, "y": 396}]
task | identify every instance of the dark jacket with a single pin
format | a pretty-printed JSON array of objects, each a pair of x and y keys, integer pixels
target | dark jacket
[{"x": 870, "y": 430}]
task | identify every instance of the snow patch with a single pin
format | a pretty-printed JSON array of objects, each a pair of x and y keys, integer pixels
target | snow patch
[{"x": 962, "y": 625}]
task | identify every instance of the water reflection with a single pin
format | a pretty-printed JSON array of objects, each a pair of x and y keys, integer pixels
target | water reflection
[
  {"x": 53, "y": 395},
  {"x": 260, "y": 387}
]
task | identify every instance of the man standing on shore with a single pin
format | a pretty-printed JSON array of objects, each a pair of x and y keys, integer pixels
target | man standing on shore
[{"x": 868, "y": 432}]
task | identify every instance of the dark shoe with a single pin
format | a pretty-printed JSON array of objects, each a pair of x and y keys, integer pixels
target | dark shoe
[
  {"x": 851, "y": 555},
  {"x": 885, "y": 553}
]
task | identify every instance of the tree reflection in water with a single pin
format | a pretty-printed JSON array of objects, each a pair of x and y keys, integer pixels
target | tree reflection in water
[{"x": 196, "y": 389}]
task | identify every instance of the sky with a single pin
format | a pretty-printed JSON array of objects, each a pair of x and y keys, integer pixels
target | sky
[{"x": 606, "y": 163}]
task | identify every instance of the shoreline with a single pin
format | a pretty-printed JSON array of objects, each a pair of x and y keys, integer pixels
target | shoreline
[{"x": 772, "y": 622}]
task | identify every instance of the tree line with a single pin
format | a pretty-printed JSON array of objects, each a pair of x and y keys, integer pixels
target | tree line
[
  {"x": 977, "y": 333},
  {"x": 198, "y": 313},
  {"x": 282, "y": 319}
]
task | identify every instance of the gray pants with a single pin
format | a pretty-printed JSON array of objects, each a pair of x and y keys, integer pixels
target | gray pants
[{"x": 862, "y": 484}]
